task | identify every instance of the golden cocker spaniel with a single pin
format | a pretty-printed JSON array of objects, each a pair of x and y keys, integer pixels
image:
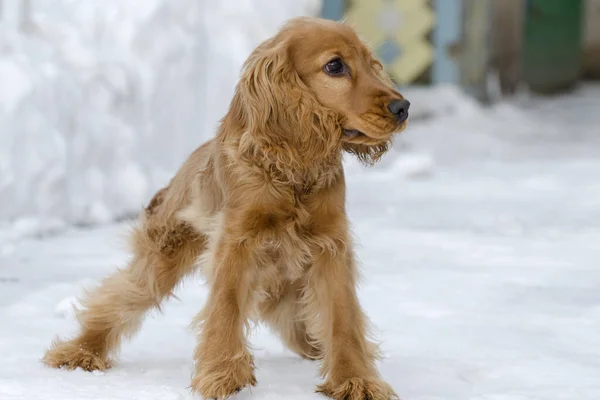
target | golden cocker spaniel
[{"x": 260, "y": 209}]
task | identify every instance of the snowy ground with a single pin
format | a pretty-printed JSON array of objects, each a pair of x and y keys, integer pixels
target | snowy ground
[{"x": 481, "y": 273}]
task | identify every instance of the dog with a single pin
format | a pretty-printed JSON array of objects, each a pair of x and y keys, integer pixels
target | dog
[{"x": 260, "y": 210}]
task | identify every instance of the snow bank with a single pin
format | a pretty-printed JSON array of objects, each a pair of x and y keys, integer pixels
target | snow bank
[{"x": 101, "y": 101}]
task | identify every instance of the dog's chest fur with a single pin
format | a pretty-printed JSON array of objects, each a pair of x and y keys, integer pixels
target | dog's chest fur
[
  {"x": 283, "y": 232},
  {"x": 286, "y": 253},
  {"x": 284, "y": 242}
]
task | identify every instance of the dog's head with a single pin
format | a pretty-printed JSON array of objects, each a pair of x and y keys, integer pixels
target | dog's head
[{"x": 316, "y": 87}]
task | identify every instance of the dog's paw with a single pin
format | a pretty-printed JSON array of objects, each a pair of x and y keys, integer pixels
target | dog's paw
[
  {"x": 71, "y": 355},
  {"x": 225, "y": 380},
  {"x": 358, "y": 389}
]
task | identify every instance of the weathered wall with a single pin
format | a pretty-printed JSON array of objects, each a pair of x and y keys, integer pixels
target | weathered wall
[
  {"x": 591, "y": 59},
  {"x": 507, "y": 39}
]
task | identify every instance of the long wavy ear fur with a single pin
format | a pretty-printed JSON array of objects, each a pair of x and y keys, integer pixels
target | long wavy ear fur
[{"x": 285, "y": 123}]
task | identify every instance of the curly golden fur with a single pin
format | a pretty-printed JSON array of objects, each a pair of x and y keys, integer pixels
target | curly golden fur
[{"x": 260, "y": 209}]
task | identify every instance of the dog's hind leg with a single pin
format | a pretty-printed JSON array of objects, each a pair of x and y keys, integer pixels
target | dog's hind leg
[{"x": 162, "y": 257}]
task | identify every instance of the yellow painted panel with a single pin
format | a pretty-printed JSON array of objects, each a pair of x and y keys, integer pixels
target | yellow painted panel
[
  {"x": 418, "y": 23},
  {"x": 415, "y": 59},
  {"x": 404, "y": 24}
]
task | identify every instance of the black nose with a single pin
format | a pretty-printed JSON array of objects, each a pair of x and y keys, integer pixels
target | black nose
[{"x": 400, "y": 109}]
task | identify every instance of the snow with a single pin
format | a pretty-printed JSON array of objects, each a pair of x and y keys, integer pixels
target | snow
[
  {"x": 101, "y": 101},
  {"x": 479, "y": 237}
]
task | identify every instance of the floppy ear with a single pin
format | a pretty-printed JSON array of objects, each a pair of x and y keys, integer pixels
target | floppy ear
[{"x": 280, "y": 112}]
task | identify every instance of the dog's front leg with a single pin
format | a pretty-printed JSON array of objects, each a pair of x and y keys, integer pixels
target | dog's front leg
[
  {"x": 337, "y": 321},
  {"x": 223, "y": 363}
]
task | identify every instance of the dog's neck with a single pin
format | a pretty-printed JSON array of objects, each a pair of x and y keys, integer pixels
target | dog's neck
[
  {"x": 288, "y": 166},
  {"x": 283, "y": 163}
]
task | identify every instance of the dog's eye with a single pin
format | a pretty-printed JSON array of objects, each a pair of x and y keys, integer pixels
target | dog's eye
[{"x": 335, "y": 67}]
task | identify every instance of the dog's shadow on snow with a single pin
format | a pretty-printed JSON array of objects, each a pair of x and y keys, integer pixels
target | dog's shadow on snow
[
  {"x": 283, "y": 376},
  {"x": 277, "y": 375}
]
